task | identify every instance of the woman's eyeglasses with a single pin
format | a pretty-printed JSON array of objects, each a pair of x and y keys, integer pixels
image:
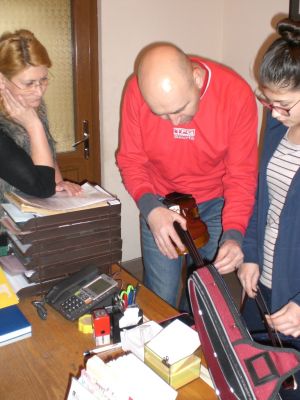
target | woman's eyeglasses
[
  {"x": 280, "y": 110},
  {"x": 30, "y": 86}
]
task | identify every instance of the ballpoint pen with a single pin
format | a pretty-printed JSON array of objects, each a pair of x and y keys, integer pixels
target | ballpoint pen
[
  {"x": 102, "y": 349},
  {"x": 135, "y": 292}
]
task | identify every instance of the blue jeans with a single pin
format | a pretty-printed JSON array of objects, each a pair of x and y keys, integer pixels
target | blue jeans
[
  {"x": 252, "y": 317},
  {"x": 162, "y": 275}
]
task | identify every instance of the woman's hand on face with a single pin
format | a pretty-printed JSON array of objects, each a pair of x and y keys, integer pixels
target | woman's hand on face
[
  {"x": 16, "y": 107},
  {"x": 286, "y": 320},
  {"x": 248, "y": 274},
  {"x": 2, "y": 81},
  {"x": 71, "y": 188}
]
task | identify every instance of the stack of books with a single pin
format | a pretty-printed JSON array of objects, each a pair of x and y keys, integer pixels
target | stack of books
[
  {"x": 13, "y": 324},
  {"x": 55, "y": 237}
]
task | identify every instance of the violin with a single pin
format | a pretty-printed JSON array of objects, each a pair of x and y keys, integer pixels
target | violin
[
  {"x": 186, "y": 206},
  {"x": 185, "y": 236}
]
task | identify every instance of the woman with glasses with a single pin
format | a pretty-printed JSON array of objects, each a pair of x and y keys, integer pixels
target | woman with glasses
[
  {"x": 27, "y": 149},
  {"x": 272, "y": 242}
]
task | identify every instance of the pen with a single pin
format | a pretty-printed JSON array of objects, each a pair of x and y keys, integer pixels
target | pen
[
  {"x": 135, "y": 292},
  {"x": 103, "y": 349}
]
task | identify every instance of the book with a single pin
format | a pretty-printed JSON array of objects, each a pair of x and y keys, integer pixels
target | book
[
  {"x": 7, "y": 294},
  {"x": 61, "y": 202},
  {"x": 13, "y": 325}
]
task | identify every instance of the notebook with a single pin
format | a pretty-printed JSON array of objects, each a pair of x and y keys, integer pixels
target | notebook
[{"x": 13, "y": 325}]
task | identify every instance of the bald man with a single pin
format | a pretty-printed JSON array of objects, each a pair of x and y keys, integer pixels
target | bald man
[{"x": 190, "y": 126}]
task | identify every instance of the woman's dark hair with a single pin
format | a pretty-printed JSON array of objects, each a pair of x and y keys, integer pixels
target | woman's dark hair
[{"x": 281, "y": 63}]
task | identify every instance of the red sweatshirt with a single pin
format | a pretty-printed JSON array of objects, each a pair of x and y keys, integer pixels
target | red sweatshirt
[{"x": 214, "y": 155}]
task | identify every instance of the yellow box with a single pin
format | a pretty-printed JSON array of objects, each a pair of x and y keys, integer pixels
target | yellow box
[{"x": 177, "y": 374}]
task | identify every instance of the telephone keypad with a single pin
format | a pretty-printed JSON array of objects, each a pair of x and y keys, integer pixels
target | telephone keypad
[
  {"x": 74, "y": 306},
  {"x": 72, "y": 303}
]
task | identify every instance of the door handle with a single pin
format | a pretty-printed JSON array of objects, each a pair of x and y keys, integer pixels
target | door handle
[
  {"x": 82, "y": 140},
  {"x": 85, "y": 139}
]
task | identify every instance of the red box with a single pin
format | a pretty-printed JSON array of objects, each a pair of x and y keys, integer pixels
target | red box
[{"x": 101, "y": 325}]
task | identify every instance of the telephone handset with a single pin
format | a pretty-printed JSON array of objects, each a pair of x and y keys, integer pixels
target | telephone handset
[{"x": 81, "y": 292}]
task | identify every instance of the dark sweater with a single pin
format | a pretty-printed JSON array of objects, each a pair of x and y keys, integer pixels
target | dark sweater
[
  {"x": 286, "y": 265},
  {"x": 17, "y": 170}
]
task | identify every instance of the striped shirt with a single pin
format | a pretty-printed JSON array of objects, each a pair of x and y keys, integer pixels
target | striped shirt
[{"x": 281, "y": 170}]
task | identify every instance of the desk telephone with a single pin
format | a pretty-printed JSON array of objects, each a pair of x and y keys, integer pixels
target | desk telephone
[{"x": 81, "y": 292}]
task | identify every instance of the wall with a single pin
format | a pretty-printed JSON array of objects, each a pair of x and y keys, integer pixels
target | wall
[
  {"x": 229, "y": 31},
  {"x": 248, "y": 28}
]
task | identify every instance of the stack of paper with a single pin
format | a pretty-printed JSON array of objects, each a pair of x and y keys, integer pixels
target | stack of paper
[
  {"x": 61, "y": 202},
  {"x": 121, "y": 379}
]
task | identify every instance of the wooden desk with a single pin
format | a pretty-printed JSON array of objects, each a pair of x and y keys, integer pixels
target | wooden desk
[{"x": 40, "y": 367}]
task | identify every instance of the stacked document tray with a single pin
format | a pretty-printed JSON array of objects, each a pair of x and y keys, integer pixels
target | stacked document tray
[{"x": 52, "y": 247}]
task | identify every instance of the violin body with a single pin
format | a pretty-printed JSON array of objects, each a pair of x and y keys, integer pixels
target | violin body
[{"x": 186, "y": 206}]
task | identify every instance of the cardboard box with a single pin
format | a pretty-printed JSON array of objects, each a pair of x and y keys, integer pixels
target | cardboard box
[{"x": 177, "y": 374}]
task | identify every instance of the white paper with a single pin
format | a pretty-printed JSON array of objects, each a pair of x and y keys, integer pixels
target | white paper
[
  {"x": 175, "y": 342},
  {"x": 130, "y": 377},
  {"x": 79, "y": 392},
  {"x": 18, "y": 282},
  {"x": 130, "y": 318},
  {"x": 22, "y": 247},
  {"x": 134, "y": 339},
  {"x": 62, "y": 201},
  {"x": 17, "y": 215}
]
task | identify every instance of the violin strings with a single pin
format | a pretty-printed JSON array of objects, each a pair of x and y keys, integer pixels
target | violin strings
[{"x": 198, "y": 260}]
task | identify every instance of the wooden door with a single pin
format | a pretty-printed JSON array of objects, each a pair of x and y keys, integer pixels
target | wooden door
[{"x": 83, "y": 162}]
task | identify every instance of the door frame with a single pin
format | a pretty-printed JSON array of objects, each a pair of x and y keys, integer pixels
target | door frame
[{"x": 86, "y": 92}]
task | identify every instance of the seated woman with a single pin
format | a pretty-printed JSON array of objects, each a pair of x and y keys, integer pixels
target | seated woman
[{"x": 27, "y": 149}]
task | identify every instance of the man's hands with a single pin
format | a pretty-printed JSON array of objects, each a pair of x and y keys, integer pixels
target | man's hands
[
  {"x": 229, "y": 257},
  {"x": 160, "y": 221}
]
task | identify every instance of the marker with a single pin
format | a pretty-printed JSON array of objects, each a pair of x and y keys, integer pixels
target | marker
[{"x": 103, "y": 349}]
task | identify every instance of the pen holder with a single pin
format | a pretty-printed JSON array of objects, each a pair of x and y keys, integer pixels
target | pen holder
[{"x": 177, "y": 374}]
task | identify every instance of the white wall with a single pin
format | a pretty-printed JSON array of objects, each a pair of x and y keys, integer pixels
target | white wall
[
  {"x": 249, "y": 26},
  {"x": 229, "y": 31}
]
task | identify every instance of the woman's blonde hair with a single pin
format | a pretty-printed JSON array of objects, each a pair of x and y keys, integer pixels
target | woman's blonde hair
[{"x": 19, "y": 50}]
